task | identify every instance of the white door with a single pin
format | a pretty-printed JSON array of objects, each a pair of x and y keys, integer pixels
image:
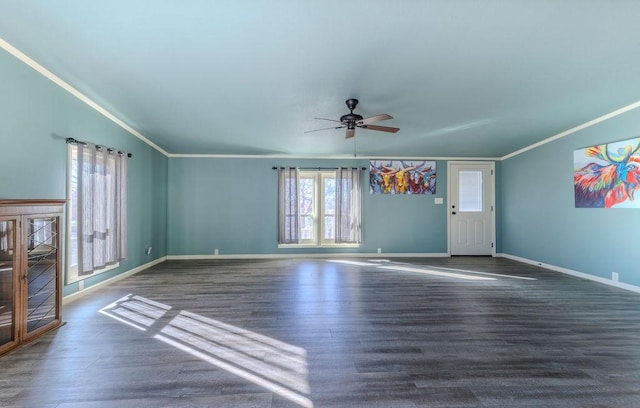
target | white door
[{"x": 471, "y": 208}]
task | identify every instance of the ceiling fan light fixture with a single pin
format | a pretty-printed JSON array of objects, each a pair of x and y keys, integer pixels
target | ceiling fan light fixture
[
  {"x": 350, "y": 117},
  {"x": 352, "y": 120}
]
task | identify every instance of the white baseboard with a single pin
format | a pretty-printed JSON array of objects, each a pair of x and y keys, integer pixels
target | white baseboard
[
  {"x": 324, "y": 255},
  {"x": 571, "y": 272},
  {"x": 76, "y": 295}
]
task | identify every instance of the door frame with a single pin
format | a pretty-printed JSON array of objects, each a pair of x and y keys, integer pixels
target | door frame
[{"x": 492, "y": 198}]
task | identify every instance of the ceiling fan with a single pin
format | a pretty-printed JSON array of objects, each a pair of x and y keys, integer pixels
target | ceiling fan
[{"x": 351, "y": 121}]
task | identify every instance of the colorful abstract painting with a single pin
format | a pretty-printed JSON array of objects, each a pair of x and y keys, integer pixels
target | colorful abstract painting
[
  {"x": 402, "y": 177},
  {"x": 608, "y": 175}
]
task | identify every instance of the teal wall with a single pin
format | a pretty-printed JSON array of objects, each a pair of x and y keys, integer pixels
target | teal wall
[
  {"x": 36, "y": 116},
  {"x": 190, "y": 206},
  {"x": 539, "y": 218},
  {"x": 231, "y": 204}
]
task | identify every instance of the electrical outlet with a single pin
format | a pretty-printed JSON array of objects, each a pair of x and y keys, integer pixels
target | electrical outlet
[
  {"x": 379, "y": 250},
  {"x": 149, "y": 250},
  {"x": 216, "y": 252},
  {"x": 614, "y": 276}
]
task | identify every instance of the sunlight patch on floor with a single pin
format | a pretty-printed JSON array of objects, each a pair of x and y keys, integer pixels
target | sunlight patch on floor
[
  {"x": 135, "y": 311},
  {"x": 436, "y": 273},
  {"x": 347, "y": 262},
  {"x": 269, "y": 363},
  {"x": 430, "y": 270},
  {"x": 486, "y": 273}
]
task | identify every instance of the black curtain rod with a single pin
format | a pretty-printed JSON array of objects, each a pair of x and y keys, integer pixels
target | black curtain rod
[
  {"x": 71, "y": 140},
  {"x": 321, "y": 168}
]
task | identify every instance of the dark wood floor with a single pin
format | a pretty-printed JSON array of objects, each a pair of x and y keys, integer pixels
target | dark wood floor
[{"x": 315, "y": 333}]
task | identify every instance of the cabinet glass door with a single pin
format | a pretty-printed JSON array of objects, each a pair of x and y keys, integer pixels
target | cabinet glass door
[
  {"x": 7, "y": 283},
  {"x": 42, "y": 273}
]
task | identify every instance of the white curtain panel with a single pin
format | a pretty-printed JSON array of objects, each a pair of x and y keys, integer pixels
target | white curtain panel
[
  {"x": 348, "y": 197},
  {"x": 288, "y": 206},
  {"x": 102, "y": 207}
]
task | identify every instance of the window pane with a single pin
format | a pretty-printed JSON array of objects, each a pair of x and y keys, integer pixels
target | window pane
[
  {"x": 470, "y": 190},
  {"x": 329, "y": 196},
  {"x": 329, "y": 227},
  {"x": 306, "y": 196},
  {"x": 306, "y": 227},
  {"x": 329, "y": 199}
]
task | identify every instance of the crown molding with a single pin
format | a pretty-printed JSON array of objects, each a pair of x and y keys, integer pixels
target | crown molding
[
  {"x": 574, "y": 129},
  {"x": 323, "y": 157}
]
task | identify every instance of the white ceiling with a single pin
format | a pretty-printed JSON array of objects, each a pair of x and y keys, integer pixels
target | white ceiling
[{"x": 461, "y": 78}]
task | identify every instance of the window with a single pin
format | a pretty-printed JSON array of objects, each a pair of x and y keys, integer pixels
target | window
[
  {"x": 470, "y": 190},
  {"x": 317, "y": 208},
  {"x": 97, "y": 216},
  {"x": 327, "y": 210}
]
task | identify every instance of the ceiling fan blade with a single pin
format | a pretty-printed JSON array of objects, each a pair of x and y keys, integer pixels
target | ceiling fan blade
[
  {"x": 381, "y": 128},
  {"x": 373, "y": 119},
  {"x": 350, "y": 133},
  {"x": 317, "y": 130},
  {"x": 330, "y": 120}
]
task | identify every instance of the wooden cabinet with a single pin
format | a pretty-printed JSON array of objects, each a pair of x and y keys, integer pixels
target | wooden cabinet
[{"x": 30, "y": 269}]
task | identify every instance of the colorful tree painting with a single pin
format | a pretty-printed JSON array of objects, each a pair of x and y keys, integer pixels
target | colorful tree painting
[{"x": 607, "y": 175}]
